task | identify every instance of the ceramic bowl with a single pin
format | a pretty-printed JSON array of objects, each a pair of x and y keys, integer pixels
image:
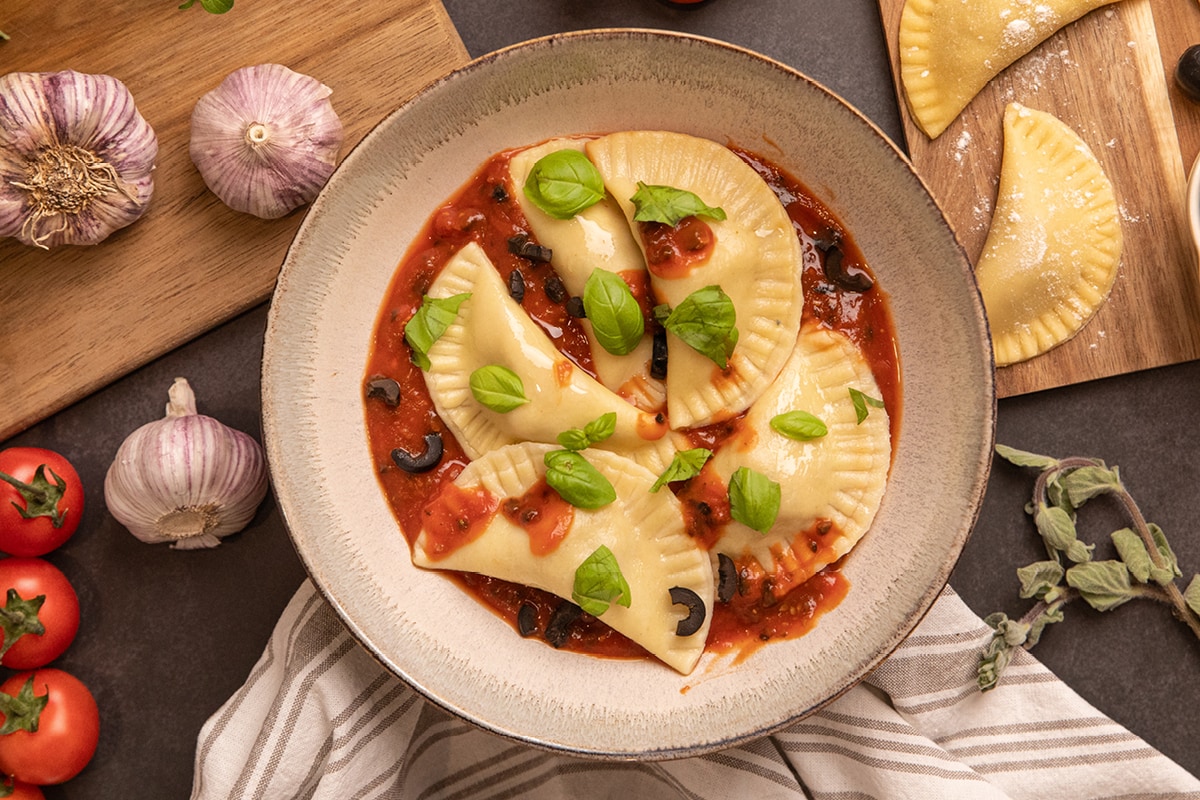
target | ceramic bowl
[{"x": 423, "y": 628}]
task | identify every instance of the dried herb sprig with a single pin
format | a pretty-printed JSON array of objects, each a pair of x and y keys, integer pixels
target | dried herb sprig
[{"x": 1146, "y": 567}]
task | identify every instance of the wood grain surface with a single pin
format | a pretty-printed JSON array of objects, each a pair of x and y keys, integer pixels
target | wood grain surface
[
  {"x": 1109, "y": 76},
  {"x": 74, "y": 318}
]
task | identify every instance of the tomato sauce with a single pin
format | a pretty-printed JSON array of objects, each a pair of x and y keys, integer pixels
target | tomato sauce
[{"x": 766, "y": 606}]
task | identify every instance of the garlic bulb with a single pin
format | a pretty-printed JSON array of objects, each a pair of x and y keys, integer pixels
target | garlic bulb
[
  {"x": 76, "y": 157},
  {"x": 266, "y": 139},
  {"x": 186, "y": 478}
]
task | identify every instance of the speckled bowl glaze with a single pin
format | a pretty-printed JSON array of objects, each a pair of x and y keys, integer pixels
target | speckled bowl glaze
[{"x": 423, "y": 628}]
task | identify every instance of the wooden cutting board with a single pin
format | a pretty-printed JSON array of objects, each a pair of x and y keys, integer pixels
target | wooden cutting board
[
  {"x": 75, "y": 318},
  {"x": 1109, "y": 76}
]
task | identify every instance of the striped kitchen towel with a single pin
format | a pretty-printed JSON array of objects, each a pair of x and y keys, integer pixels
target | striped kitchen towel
[{"x": 319, "y": 718}]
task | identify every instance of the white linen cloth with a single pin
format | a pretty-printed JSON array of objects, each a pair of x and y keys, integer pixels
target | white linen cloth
[{"x": 319, "y": 718}]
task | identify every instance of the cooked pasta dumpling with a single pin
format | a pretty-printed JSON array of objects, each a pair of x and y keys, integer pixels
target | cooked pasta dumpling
[
  {"x": 831, "y": 486},
  {"x": 755, "y": 259},
  {"x": 491, "y": 329},
  {"x": 950, "y": 49},
  {"x": 1053, "y": 249},
  {"x": 597, "y": 237},
  {"x": 643, "y": 530}
]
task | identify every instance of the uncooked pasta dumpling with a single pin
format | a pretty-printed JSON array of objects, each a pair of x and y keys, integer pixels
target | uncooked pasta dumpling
[
  {"x": 755, "y": 259},
  {"x": 1054, "y": 246},
  {"x": 830, "y": 486},
  {"x": 598, "y": 237},
  {"x": 950, "y": 49},
  {"x": 642, "y": 530},
  {"x": 491, "y": 329}
]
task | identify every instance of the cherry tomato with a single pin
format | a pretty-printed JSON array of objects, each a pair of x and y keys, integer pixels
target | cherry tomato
[
  {"x": 67, "y": 723},
  {"x": 41, "y": 501},
  {"x": 19, "y": 790},
  {"x": 35, "y": 632}
]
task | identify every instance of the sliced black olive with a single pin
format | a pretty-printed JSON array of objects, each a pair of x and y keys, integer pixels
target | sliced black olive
[
  {"x": 516, "y": 285},
  {"x": 1187, "y": 72},
  {"x": 555, "y": 289},
  {"x": 385, "y": 388},
  {"x": 658, "y": 356},
  {"x": 527, "y": 619},
  {"x": 521, "y": 246},
  {"x": 727, "y": 578},
  {"x": 830, "y": 238},
  {"x": 853, "y": 279},
  {"x": 499, "y": 193},
  {"x": 423, "y": 462},
  {"x": 575, "y": 307},
  {"x": 682, "y": 596},
  {"x": 558, "y": 628}
]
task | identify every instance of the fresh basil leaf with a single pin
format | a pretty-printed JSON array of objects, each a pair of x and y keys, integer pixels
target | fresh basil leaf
[
  {"x": 1039, "y": 578},
  {"x": 576, "y": 480},
  {"x": 432, "y": 319},
  {"x": 594, "y": 432},
  {"x": 216, "y": 6},
  {"x": 669, "y": 205},
  {"x": 1021, "y": 458},
  {"x": 563, "y": 183},
  {"x": 799, "y": 425},
  {"x": 1103, "y": 584},
  {"x": 705, "y": 322},
  {"x": 753, "y": 499},
  {"x": 599, "y": 583},
  {"x": 497, "y": 387},
  {"x": 615, "y": 315},
  {"x": 861, "y": 401},
  {"x": 686, "y": 464}
]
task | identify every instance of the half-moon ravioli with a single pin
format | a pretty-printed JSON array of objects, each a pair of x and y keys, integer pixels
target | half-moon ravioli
[
  {"x": 596, "y": 238},
  {"x": 831, "y": 487},
  {"x": 756, "y": 260},
  {"x": 491, "y": 328},
  {"x": 643, "y": 530},
  {"x": 950, "y": 49},
  {"x": 1054, "y": 246}
]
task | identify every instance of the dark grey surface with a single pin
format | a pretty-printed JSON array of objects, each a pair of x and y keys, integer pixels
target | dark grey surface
[{"x": 167, "y": 636}]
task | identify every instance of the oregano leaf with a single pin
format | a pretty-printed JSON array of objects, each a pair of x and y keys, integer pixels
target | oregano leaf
[
  {"x": 1133, "y": 553},
  {"x": 1103, "y": 584},
  {"x": 1055, "y": 526},
  {"x": 1022, "y": 458},
  {"x": 1047, "y": 617},
  {"x": 1084, "y": 483},
  {"x": 1079, "y": 552},
  {"x": 1191, "y": 595},
  {"x": 1039, "y": 577}
]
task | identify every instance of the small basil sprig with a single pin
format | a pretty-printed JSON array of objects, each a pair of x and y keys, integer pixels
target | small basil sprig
[
  {"x": 599, "y": 583},
  {"x": 615, "y": 315},
  {"x": 1146, "y": 566},
  {"x": 594, "y": 432},
  {"x": 861, "y": 401},
  {"x": 799, "y": 425},
  {"x": 576, "y": 480},
  {"x": 432, "y": 319},
  {"x": 753, "y": 499},
  {"x": 705, "y": 321},
  {"x": 669, "y": 205},
  {"x": 563, "y": 183},
  {"x": 686, "y": 464},
  {"x": 499, "y": 388}
]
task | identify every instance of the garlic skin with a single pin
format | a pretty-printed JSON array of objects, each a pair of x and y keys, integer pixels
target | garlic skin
[
  {"x": 266, "y": 139},
  {"x": 187, "y": 478},
  {"x": 76, "y": 158}
]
